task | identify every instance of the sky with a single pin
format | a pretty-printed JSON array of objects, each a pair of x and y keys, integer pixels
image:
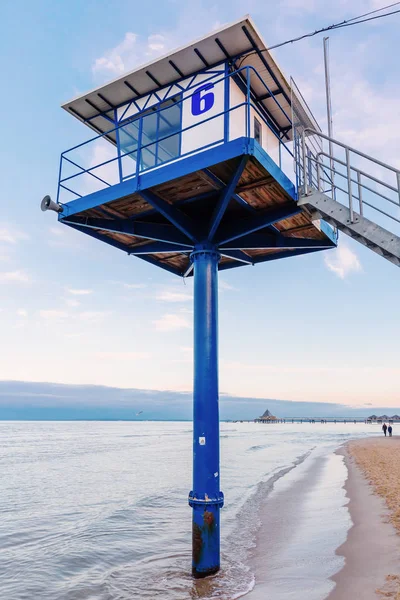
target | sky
[{"x": 319, "y": 328}]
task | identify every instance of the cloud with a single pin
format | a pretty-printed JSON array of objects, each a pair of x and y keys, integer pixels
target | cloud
[
  {"x": 168, "y": 296},
  {"x": 93, "y": 316},
  {"x": 72, "y": 302},
  {"x": 57, "y": 231},
  {"x": 171, "y": 322},
  {"x": 53, "y": 315},
  {"x": 186, "y": 349},
  {"x": 223, "y": 285},
  {"x": 22, "y": 312},
  {"x": 156, "y": 42},
  {"x": 113, "y": 60},
  {"x": 342, "y": 261},
  {"x": 129, "y": 286},
  {"x": 134, "y": 286},
  {"x": 79, "y": 292},
  {"x": 123, "y": 355},
  {"x": 14, "y": 277},
  {"x": 88, "y": 316},
  {"x": 129, "y": 53},
  {"x": 65, "y": 237},
  {"x": 11, "y": 235},
  {"x": 186, "y": 355}
]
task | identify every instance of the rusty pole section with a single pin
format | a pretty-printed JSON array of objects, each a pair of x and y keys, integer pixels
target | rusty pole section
[{"x": 206, "y": 499}]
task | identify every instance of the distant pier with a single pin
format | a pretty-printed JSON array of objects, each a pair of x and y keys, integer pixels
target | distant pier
[{"x": 322, "y": 420}]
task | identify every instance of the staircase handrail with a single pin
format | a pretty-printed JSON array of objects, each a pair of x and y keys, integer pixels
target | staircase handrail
[
  {"x": 334, "y": 141},
  {"x": 348, "y": 149}
]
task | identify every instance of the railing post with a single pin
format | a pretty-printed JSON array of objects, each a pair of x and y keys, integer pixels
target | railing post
[
  {"x": 139, "y": 147},
  {"x": 248, "y": 100},
  {"x": 206, "y": 499},
  {"x": 304, "y": 152},
  {"x": 349, "y": 189},
  {"x": 398, "y": 184},
  {"x": 360, "y": 192},
  {"x": 318, "y": 174},
  {"x": 121, "y": 176},
  {"x": 59, "y": 179}
]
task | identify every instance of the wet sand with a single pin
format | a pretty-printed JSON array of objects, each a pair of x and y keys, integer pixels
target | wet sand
[
  {"x": 302, "y": 525},
  {"x": 372, "y": 548}
]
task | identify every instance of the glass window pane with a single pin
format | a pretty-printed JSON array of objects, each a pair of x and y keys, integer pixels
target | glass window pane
[
  {"x": 160, "y": 133},
  {"x": 129, "y": 137},
  {"x": 168, "y": 149},
  {"x": 149, "y": 128},
  {"x": 128, "y": 164},
  {"x": 128, "y": 141},
  {"x": 148, "y": 157},
  {"x": 257, "y": 131},
  {"x": 169, "y": 136}
]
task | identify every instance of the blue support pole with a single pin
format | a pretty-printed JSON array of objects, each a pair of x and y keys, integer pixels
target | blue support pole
[{"x": 206, "y": 499}]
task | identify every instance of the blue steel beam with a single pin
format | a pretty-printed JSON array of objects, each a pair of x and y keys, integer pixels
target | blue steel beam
[
  {"x": 235, "y": 231},
  {"x": 173, "y": 214},
  {"x": 178, "y": 203},
  {"x": 173, "y": 65},
  {"x": 225, "y": 198},
  {"x": 149, "y": 231},
  {"x": 260, "y": 240},
  {"x": 236, "y": 197},
  {"x": 119, "y": 246},
  {"x": 269, "y": 257},
  {"x": 160, "y": 264},
  {"x": 129, "y": 86},
  {"x": 221, "y": 184},
  {"x": 238, "y": 255},
  {"x": 265, "y": 63},
  {"x": 158, "y": 248},
  {"x": 206, "y": 499},
  {"x": 285, "y": 254}
]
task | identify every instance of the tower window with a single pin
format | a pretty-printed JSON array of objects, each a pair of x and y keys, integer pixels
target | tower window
[{"x": 257, "y": 131}]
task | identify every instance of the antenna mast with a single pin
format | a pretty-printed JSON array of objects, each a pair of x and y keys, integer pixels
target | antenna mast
[{"x": 329, "y": 108}]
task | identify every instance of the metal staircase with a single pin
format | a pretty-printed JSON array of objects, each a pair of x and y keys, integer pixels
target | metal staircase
[{"x": 357, "y": 194}]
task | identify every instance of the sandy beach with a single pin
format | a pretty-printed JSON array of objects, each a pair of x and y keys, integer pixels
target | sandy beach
[
  {"x": 372, "y": 548},
  {"x": 352, "y": 497}
]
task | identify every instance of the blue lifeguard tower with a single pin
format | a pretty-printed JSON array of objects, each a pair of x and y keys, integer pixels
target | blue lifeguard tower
[{"x": 191, "y": 170}]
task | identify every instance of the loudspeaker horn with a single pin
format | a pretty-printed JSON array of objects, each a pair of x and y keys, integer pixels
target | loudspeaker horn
[{"x": 48, "y": 204}]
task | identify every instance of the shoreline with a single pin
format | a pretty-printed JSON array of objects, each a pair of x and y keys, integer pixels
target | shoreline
[
  {"x": 372, "y": 548},
  {"x": 303, "y": 521},
  {"x": 331, "y": 527}
]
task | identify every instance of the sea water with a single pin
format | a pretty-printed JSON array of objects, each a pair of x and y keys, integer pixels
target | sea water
[{"x": 98, "y": 510}]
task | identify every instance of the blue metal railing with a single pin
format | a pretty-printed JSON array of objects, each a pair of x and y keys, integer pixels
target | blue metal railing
[{"x": 68, "y": 182}]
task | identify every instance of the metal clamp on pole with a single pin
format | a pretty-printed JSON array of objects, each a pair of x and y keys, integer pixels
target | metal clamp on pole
[{"x": 204, "y": 502}]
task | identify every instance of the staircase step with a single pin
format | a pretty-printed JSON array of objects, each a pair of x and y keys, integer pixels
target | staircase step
[{"x": 364, "y": 231}]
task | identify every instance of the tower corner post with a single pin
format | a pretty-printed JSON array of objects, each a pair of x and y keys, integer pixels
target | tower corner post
[{"x": 206, "y": 499}]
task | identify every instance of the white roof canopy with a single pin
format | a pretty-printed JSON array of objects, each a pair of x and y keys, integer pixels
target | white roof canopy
[{"x": 240, "y": 39}]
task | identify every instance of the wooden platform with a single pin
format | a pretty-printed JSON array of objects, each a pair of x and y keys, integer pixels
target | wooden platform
[{"x": 196, "y": 195}]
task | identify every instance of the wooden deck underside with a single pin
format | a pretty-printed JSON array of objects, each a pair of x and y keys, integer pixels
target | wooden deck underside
[{"x": 256, "y": 187}]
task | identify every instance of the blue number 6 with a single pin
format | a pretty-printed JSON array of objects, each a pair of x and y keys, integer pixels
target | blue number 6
[{"x": 201, "y": 103}]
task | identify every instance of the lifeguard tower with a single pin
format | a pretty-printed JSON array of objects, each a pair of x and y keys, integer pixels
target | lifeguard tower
[{"x": 191, "y": 170}]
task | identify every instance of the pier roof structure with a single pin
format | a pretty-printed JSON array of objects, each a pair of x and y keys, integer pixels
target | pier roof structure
[{"x": 239, "y": 42}]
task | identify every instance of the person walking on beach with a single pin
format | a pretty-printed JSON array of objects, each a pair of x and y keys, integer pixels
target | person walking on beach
[
  {"x": 384, "y": 428},
  {"x": 390, "y": 430}
]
